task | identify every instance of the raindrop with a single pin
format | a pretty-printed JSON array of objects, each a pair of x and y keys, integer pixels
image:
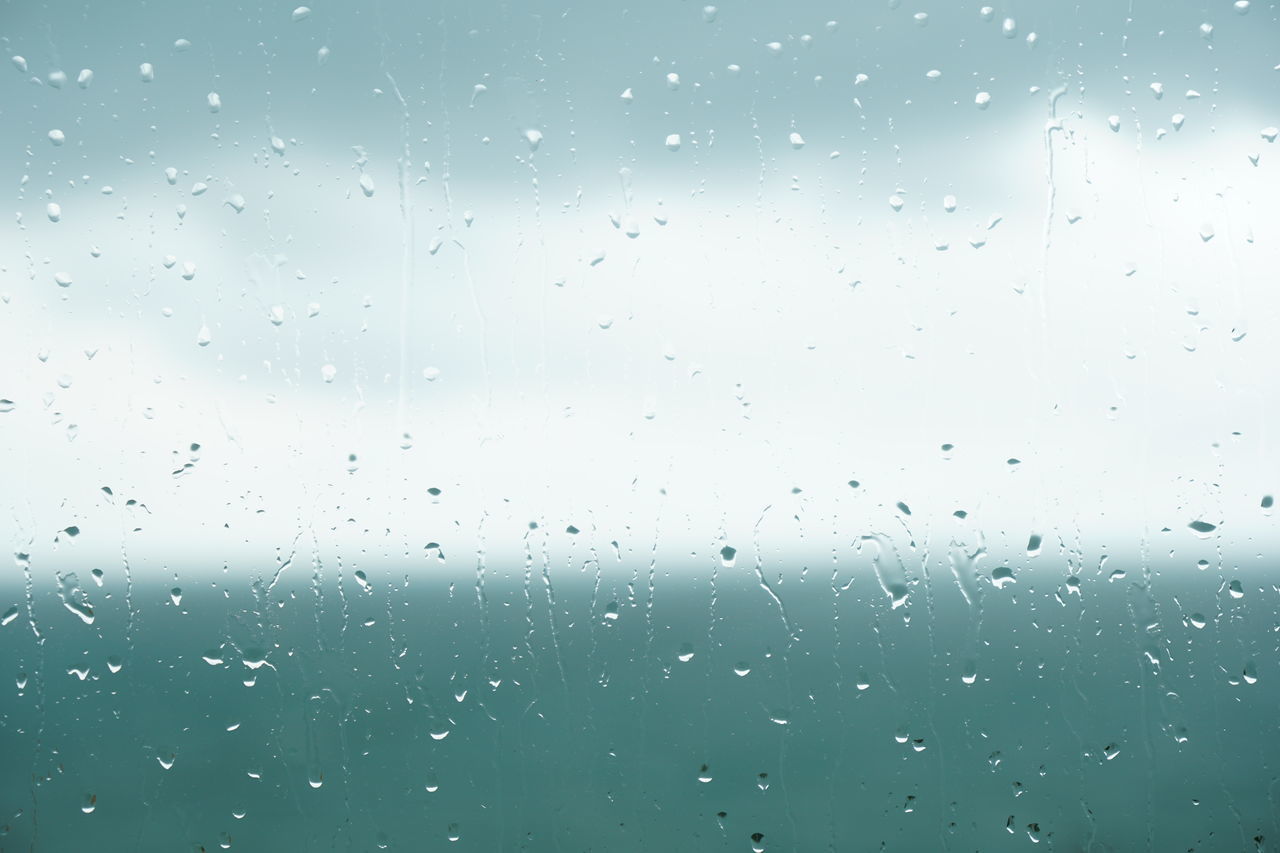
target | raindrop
[{"x": 1202, "y": 529}]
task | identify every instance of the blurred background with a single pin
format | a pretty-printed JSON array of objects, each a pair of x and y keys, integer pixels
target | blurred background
[{"x": 455, "y": 424}]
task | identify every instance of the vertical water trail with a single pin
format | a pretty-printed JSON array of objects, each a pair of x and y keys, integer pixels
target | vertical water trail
[{"x": 403, "y": 164}]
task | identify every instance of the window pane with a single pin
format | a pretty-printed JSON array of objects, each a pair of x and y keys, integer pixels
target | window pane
[{"x": 565, "y": 427}]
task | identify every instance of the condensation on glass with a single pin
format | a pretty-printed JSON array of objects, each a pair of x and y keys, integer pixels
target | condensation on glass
[{"x": 514, "y": 426}]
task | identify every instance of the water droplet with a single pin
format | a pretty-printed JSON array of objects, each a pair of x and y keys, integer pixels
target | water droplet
[
  {"x": 1235, "y": 589},
  {"x": 147, "y": 72},
  {"x": 673, "y": 142},
  {"x": 54, "y": 211},
  {"x": 1009, "y": 28},
  {"x": 328, "y": 372},
  {"x": 1250, "y": 673},
  {"x": 301, "y": 13},
  {"x": 57, "y": 137},
  {"x": 797, "y": 141},
  {"x": 366, "y": 185},
  {"x": 982, "y": 100},
  {"x": 740, "y": 669},
  {"x": 1202, "y": 529},
  {"x": 215, "y": 102},
  {"x": 686, "y": 653},
  {"x": 19, "y": 63},
  {"x": 534, "y": 138}
]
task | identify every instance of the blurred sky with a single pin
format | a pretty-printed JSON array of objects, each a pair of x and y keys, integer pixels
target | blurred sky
[{"x": 575, "y": 324}]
